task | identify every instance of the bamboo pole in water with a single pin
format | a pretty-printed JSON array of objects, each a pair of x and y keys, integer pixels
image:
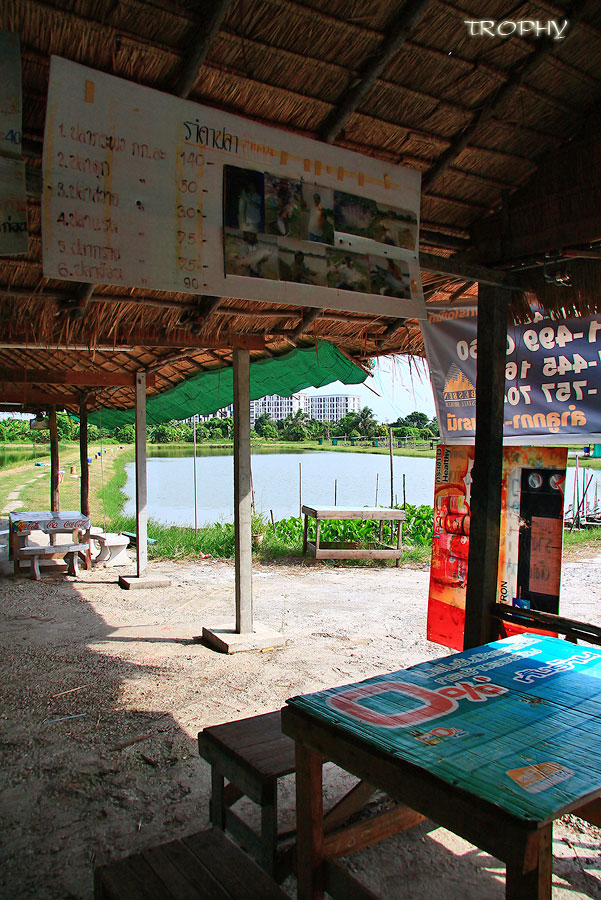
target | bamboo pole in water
[
  {"x": 377, "y": 478},
  {"x": 391, "y": 468},
  {"x": 335, "y": 492},
  {"x": 404, "y": 497},
  {"x": 300, "y": 489},
  {"x": 195, "y": 510}
]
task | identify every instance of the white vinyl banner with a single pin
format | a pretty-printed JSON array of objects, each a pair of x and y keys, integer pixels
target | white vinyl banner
[{"x": 147, "y": 190}]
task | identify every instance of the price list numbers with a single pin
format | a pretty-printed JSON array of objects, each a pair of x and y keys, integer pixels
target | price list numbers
[{"x": 190, "y": 192}]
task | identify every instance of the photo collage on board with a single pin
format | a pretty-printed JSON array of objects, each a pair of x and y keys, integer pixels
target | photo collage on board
[{"x": 283, "y": 229}]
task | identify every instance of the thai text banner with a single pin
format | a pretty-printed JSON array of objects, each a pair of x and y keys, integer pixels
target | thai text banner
[
  {"x": 148, "y": 190},
  {"x": 552, "y": 377}
]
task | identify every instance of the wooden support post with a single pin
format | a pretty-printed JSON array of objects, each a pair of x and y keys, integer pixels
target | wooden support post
[
  {"x": 242, "y": 493},
  {"x": 309, "y": 823},
  {"x": 483, "y": 562},
  {"x": 141, "y": 487},
  {"x": 54, "y": 462},
  {"x": 84, "y": 487}
]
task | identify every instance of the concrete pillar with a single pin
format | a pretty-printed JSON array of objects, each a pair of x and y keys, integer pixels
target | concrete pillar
[
  {"x": 141, "y": 487},
  {"x": 242, "y": 493}
]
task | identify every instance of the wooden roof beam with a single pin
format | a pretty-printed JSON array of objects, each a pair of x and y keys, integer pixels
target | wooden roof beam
[
  {"x": 457, "y": 269},
  {"x": 127, "y": 338},
  {"x": 90, "y": 377},
  {"x": 514, "y": 81},
  {"x": 208, "y": 30},
  {"x": 397, "y": 32},
  {"x": 28, "y": 396},
  {"x": 308, "y": 319}
]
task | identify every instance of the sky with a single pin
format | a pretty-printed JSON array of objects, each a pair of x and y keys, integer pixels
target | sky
[{"x": 402, "y": 385}]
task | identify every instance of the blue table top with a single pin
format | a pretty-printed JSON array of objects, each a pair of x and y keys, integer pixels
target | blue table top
[{"x": 516, "y": 722}]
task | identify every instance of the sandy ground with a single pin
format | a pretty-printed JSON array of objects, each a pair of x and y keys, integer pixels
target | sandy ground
[{"x": 122, "y": 665}]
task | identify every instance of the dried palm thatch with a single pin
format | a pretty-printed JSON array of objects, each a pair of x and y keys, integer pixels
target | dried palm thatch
[{"x": 292, "y": 64}]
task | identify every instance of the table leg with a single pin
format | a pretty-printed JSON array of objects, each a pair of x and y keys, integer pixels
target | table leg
[
  {"x": 529, "y": 877},
  {"x": 309, "y": 825},
  {"x": 269, "y": 827},
  {"x": 399, "y": 538},
  {"x": 216, "y": 803},
  {"x": 305, "y": 532},
  {"x": 317, "y": 530}
]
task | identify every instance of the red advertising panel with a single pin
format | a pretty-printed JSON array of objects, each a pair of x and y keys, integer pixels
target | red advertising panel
[{"x": 531, "y": 535}]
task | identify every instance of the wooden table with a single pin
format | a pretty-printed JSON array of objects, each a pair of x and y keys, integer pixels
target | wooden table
[
  {"x": 493, "y": 744},
  {"x": 348, "y": 550},
  {"x": 23, "y": 524}
]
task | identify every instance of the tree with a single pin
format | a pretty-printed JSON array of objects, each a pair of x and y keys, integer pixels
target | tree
[
  {"x": 348, "y": 423},
  {"x": 417, "y": 419},
  {"x": 367, "y": 423},
  {"x": 261, "y": 422},
  {"x": 126, "y": 434},
  {"x": 270, "y": 432}
]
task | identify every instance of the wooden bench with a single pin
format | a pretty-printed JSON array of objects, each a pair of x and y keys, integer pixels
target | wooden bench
[
  {"x": 252, "y": 754},
  {"x": 203, "y": 866}
]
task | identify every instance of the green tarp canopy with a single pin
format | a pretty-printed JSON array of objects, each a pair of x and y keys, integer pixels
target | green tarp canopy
[{"x": 207, "y": 392}]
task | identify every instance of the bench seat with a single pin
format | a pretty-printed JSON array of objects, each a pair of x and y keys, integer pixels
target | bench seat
[
  {"x": 251, "y": 754},
  {"x": 69, "y": 551},
  {"x": 203, "y": 866}
]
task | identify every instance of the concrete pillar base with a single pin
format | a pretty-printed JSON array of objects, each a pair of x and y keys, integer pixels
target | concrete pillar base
[{"x": 225, "y": 639}]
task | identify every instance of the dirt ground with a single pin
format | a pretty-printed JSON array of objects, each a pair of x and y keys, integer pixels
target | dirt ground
[{"x": 116, "y": 665}]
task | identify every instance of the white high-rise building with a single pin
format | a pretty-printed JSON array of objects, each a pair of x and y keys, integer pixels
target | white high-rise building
[
  {"x": 331, "y": 407},
  {"x": 324, "y": 408},
  {"x": 275, "y": 406}
]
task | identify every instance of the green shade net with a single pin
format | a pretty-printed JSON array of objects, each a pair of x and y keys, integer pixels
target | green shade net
[{"x": 207, "y": 392}]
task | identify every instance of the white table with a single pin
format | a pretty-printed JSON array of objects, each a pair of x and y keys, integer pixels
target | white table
[{"x": 23, "y": 524}]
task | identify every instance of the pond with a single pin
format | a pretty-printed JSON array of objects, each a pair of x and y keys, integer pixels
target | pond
[
  {"x": 327, "y": 478},
  {"x": 350, "y": 478}
]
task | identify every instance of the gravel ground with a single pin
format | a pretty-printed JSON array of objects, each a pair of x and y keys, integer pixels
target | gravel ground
[{"x": 118, "y": 665}]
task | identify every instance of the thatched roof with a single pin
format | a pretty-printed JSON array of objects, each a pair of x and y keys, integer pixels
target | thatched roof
[{"x": 475, "y": 115}]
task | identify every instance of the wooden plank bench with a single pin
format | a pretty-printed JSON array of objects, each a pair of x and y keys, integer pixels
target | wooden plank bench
[
  {"x": 203, "y": 866},
  {"x": 252, "y": 754}
]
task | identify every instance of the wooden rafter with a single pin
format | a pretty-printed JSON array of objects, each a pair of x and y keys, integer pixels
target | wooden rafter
[
  {"x": 516, "y": 79},
  {"x": 208, "y": 29},
  {"x": 396, "y": 33},
  {"x": 70, "y": 377},
  {"x": 139, "y": 337}
]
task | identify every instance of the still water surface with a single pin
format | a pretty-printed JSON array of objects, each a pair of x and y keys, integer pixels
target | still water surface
[{"x": 276, "y": 482}]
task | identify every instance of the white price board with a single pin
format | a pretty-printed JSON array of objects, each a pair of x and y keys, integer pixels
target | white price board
[{"x": 147, "y": 190}]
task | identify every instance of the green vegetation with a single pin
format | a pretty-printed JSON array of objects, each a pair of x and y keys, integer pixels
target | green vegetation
[{"x": 295, "y": 429}]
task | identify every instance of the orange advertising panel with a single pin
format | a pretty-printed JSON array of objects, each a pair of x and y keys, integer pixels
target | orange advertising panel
[{"x": 531, "y": 535}]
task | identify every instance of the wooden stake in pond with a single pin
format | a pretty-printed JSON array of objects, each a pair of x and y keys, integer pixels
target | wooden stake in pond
[
  {"x": 377, "y": 478},
  {"x": 335, "y": 492},
  {"x": 300, "y": 489},
  {"x": 195, "y": 509},
  {"x": 391, "y": 468},
  {"x": 404, "y": 498}
]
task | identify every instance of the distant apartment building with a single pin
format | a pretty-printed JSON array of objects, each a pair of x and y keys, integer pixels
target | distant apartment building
[
  {"x": 331, "y": 407},
  {"x": 275, "y": 406},
  {"x": 324, "y": 408}
]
